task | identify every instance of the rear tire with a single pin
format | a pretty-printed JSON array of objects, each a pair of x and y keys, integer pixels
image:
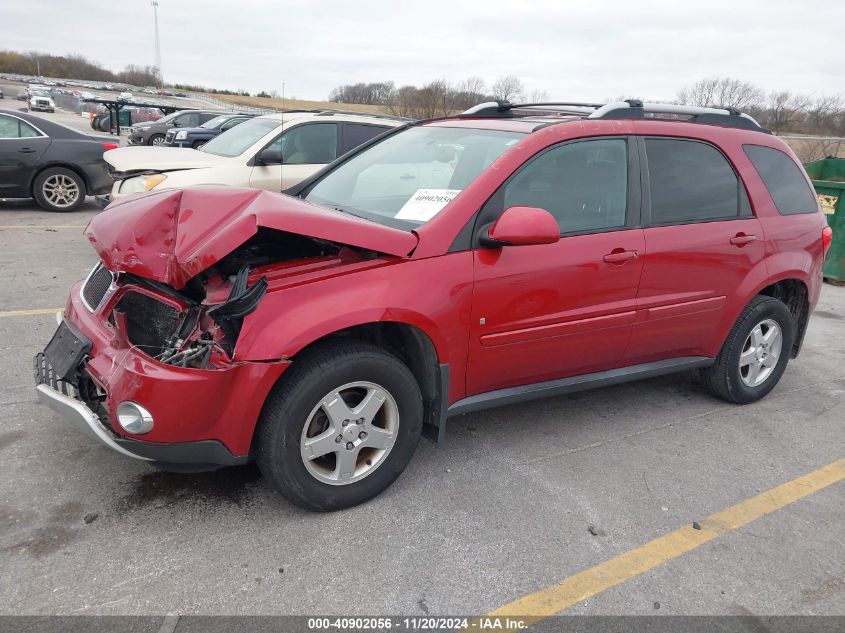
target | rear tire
[
  {"x": 755, "y": 354},
  {"x": 328, "y": 393},
  {"x": 58, "y": 189}
]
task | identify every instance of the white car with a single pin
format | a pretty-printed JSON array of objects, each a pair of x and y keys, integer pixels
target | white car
[
  {"x": 270, "y": 152},
  {"x": 40, "y": 100}
]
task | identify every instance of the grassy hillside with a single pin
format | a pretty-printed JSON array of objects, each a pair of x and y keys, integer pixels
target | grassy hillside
[{"x": 296, "y": 104}]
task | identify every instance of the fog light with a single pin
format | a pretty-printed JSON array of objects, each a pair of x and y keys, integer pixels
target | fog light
[{"x": 134, "y": 418}]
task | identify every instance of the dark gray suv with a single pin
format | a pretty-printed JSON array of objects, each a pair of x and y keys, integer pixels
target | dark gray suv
[{"x": 153, "y": 132}]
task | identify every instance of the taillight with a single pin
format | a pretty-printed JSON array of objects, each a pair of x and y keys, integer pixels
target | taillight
[
  {"x": 827, "y": 238},
  {"x": 109, "y": 146}
]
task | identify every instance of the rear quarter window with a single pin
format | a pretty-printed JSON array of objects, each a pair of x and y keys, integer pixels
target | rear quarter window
[{"x": 786, "y": 184}]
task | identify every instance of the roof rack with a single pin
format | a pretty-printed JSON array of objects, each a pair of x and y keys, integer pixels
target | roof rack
[
  {"x": 636, "y": 109},
  {"x": 377, "y": 115},
  {"x": 628, "y": 109},
  {"x": 506, "y": 109}
]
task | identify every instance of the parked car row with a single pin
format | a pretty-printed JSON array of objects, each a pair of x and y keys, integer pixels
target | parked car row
[
  {"x": 155, "y": 132},
  {"x": 50, "y": 162}
]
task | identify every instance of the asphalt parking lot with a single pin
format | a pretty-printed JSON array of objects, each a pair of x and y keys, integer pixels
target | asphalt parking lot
[{"x": 517, "y": 500}]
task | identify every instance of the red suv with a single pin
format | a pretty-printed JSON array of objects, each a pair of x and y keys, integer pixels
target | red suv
[{"x": 450, "y": 265}]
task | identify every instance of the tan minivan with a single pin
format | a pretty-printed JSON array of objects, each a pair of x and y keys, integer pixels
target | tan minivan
[{"x": 270, "y": 152}]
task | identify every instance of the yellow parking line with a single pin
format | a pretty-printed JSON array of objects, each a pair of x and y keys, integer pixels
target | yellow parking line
[
  {"x": 41, "y": 226},
  {"x": 546, "y": 602},
  {"x": 14, "y": 313}
]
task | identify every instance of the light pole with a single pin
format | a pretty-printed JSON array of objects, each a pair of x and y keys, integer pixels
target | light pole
[{"x": 158, "y": 48}]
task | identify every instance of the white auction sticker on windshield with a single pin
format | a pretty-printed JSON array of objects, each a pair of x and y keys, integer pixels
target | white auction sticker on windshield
[{"x": 426, "y": 203}]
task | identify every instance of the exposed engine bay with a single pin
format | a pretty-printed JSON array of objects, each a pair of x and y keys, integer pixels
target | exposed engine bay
[{"x": 198, "y": 326}]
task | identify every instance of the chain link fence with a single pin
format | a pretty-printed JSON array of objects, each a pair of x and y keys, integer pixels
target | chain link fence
[{"x": 810, "y": 148}]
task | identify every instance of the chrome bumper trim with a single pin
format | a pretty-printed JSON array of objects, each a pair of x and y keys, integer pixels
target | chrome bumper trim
[{"x": 81, "y": 417}]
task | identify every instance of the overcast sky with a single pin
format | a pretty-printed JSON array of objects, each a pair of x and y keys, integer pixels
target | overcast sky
[{"x": 584, "y": 50}]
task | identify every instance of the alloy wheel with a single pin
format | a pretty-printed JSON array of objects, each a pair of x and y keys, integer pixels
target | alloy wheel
[
  {"x": 760, "y": 353},
  {"x": 60, "y": 191},
  {"x": 350, "y": 432}
]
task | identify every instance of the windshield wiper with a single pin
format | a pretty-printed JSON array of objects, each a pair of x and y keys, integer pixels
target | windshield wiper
[{"x": 347, "y": 211}]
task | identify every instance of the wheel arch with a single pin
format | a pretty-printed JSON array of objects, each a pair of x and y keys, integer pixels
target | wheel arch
[
  {"x": 57, "y": 163},
  {"x": 794, "y": 293},
  {"x": 411, "y": 345}
]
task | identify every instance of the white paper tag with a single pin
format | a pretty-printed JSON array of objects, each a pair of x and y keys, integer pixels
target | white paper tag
[{"x": 426, "y": 203}]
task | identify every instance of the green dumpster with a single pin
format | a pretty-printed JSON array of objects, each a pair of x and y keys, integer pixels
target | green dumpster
[{"x": 828, "y": 176}]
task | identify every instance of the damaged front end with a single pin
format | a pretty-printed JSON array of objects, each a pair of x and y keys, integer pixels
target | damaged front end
[
  {"x": 177, "y": 329},
  {"x": 146, "y": 355},
  {"x": 183, "y": 263}
]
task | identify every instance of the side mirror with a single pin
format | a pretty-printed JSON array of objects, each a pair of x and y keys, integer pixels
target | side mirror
[
  {"x": 270, "y": 156},
  {"x": 522, "y": 226}
]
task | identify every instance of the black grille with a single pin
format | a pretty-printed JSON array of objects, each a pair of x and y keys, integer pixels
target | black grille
[
  {"x": 150, "y": 323},
  {"x": 96, "y": 286}
]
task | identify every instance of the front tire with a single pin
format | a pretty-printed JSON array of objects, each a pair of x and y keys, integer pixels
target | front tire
[
  {"x": 59, "y": 189},
  {"x": 340, "y": 427},
  {"x": 156, "y": 140},
  {"x": 755, "y": 354}
]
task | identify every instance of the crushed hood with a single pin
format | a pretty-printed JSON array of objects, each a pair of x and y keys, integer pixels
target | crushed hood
[
  {"x": 172, "y": 236},
  {"x": 160, "y": 158}
]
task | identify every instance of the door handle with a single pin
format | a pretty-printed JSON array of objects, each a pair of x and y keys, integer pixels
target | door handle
[
  {"x": 741, "y": 239},
  {"x": 618, "y": 256},
  {"x": 26, "y": 150}
]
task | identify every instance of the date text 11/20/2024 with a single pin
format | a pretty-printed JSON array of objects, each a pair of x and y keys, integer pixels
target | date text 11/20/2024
[{"x": 374, "y": 624}]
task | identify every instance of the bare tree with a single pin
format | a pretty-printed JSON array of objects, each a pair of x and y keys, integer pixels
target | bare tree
[
  {"x": 508, "y": 88},
  {"x": 722, "y": 92},
  {"x": 825, "y": 113},
  {"x": 467, "y": 93},
  {"x": 785, "y": 111},
  {"x": 538, "y": 96}
]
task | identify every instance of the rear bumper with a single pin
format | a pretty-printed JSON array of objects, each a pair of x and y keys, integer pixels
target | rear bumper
[{"x": 97, "y": 178}]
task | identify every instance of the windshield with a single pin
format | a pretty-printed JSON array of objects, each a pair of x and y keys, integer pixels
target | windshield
[
  {"x": 237, "y": 140},
  {"x": 409, "y": 177},
  {"x": 215, "y": 122}
]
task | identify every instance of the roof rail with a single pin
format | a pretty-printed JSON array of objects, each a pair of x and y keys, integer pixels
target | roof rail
[
  {"x": 636, "y": 109},
  {"x": 506, "y": 109},
  {"x": 377, "y": 115}
]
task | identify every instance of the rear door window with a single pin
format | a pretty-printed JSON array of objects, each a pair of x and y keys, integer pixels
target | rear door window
[
  {"x": 11, "y": 127},
  {"x": 691, "y": 181},
  {"x": 354, "y": 134},
  {"x": 786, "y": 184}
]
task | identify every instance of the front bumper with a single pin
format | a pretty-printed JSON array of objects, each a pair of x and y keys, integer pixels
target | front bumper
[
  {"x": 204, "y": 418},
  {"x": 79, "y": 415},
  {"x": 192, "y": 456}
]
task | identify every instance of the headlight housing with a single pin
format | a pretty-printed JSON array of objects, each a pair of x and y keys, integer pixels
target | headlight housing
[
  {"x": 141, "y": 183},
  {"x": 182, "y": 134},
  {"x": 144, "y": 128}
]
